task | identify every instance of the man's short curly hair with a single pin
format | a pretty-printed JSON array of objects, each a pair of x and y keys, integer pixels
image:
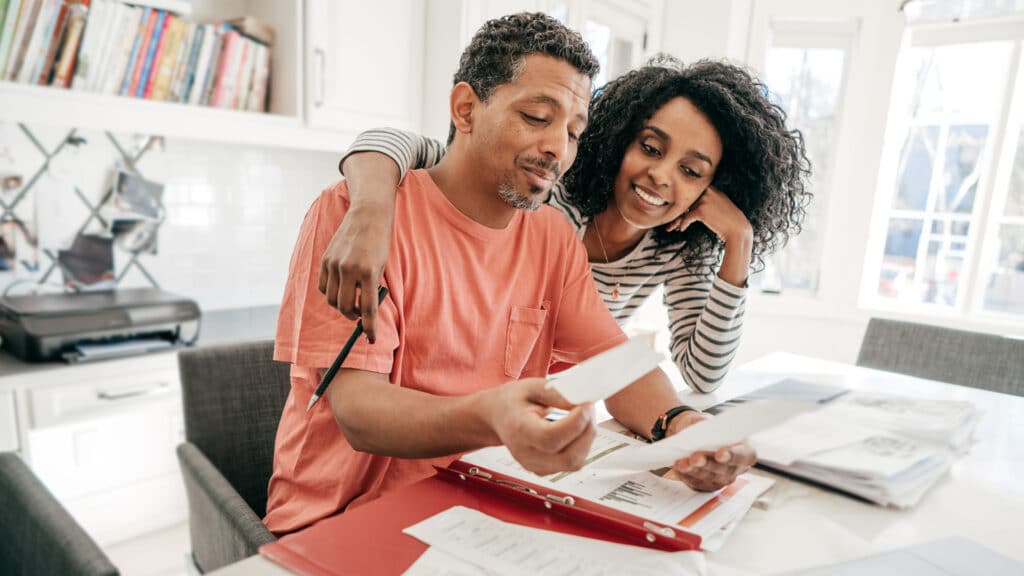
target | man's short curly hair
[
  {"x": 495, "y": 54},
  {"x": 764, "y": 166}
]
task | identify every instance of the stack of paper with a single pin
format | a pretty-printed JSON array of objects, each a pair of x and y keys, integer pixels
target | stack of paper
[
  {"x": 626, "y": 474},
  {"x": 885, "y": 448}
]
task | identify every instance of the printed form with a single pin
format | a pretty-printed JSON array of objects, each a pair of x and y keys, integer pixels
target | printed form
[
  {"x": 643, "y": 493},
  {"x": 503, "y": 548}
]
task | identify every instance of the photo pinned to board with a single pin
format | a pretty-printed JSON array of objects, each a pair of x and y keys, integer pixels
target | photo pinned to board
[
  {"x": 18, "y": 246},
  {"x": 135, "y": 212},
  {"x": 8, "y": 247},
  {"x": 89, "y": 263}
]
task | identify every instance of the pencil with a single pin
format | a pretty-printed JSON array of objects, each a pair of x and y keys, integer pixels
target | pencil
[{"x": 336, "y": 365}]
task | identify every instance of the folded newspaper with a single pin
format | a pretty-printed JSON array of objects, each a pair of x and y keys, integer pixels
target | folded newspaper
[{"x": 885, "y": 448}]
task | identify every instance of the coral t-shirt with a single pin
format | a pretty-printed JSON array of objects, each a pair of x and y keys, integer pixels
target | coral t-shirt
[{"x": 469, "y": 308}]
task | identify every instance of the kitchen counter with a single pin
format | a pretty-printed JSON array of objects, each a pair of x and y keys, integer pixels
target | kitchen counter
[{"x": 218, "y": 327}]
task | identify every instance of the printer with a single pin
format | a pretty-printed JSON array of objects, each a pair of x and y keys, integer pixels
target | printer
[{"x": 90, "y": 325}]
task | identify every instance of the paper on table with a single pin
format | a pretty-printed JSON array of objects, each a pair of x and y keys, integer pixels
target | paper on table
[
  {"x": 642, "y": 493},
  {"x": 505, "y": 548},
  {"x": 606, "y": 373},
  {"x": 809, "y": 434},
  {"x": 730, "y": 427},
  {"x": 436, "y": 562}
]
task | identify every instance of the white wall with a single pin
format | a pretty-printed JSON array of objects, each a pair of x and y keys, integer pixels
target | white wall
[
  {"x": 693, "y": 29},
  {"x": 233, "y": 212}
]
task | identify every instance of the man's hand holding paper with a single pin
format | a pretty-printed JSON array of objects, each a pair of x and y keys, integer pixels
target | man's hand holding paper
[{"x": 517, "y": 413}]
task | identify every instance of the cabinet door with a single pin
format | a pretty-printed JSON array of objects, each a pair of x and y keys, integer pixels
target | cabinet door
[
  {"x": 8, "y": 423},
  {"x": 364, "y": 64}
]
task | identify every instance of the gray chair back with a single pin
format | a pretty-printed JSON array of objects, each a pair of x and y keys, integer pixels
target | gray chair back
[
  {"x": 37, "y": 535},
  {"x": 233, "y": 397},
  {"x": 970, "y": 359}
]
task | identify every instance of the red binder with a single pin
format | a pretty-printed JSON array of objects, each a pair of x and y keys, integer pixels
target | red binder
[{"x": 369, "y": 539}]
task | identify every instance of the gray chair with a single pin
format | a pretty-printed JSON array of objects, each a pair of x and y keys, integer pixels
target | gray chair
[
  {"x": 37, "y": 535},
  {"x": 233, "y": 397},
  {"x": 970, "y": 359}
]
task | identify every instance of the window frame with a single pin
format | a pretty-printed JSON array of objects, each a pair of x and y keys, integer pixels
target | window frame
[
  {"x": 870, "y": 66},
  {"x": 992, "y": 188}
]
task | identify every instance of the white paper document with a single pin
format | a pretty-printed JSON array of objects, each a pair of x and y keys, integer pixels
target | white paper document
[
  {"x": 437, "y": 562},
  {"x": 726, "y": 429},
  {"x": 605, "y": 374},
  {"x": 808, "y": 434},
  {"x": 639, "y": 492},
  {"x": 883, "y": 447},
  {"x": 504, "y": 548}
]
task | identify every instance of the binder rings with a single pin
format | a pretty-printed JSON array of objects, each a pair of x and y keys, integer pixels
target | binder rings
[{"x": 369, "y": 538}]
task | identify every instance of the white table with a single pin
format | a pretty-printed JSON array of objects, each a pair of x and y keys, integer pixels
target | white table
[{"x": 798, "y": 525}]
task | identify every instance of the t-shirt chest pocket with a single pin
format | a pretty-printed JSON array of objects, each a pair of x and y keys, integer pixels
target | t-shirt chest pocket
[{"x": 524, "y": 328}]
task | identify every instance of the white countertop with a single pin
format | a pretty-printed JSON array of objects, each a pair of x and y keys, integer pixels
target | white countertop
[{"x": 218, "y": 327}]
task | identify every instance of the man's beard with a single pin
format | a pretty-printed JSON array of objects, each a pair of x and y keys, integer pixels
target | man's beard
[{"x": 507, "y": 192}]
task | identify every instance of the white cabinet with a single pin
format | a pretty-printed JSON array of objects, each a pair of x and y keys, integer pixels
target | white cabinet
[
  {"x": 8, "y": 423},
  {"x": 364, "y": 63},
  {"x": 102, "y": 438}
]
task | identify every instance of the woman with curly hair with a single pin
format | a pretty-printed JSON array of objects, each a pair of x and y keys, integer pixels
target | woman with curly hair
[{"x": 686, "y": 177}]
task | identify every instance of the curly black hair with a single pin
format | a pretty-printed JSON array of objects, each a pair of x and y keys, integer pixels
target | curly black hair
[
  {"x": 764, "y": 166},
  {"x": 495, "y": 54}
]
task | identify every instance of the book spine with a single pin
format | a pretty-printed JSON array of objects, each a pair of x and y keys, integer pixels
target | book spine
[
  {"x": 133, "y": 57},
  {"x": 169, "y": 62},
  {"x": 35, "y": 57},
  {"x": 198, "y": 80},
  {"x": 26, "y": 25},
  {"x": 210, "y": 84},
  {"x": 196, "y": 50},
  {"x": 4, "y": 6},
  {"x": 142, "y": 79},
  {"x": 262, "y": 82},
  {"x": 30, "y": 53},
  {"x": 244, "y": 79},
  {"x": 163, "y": 35},
  {"x": 120, "y": 48},
  {"x": 184, "y": 48},
  {"x": 77, "y": 15},
  {"x": 52, "y": 44},
  {"x": 89, "y": 44},
  {"x": 7, "y": 32},
  {"x": 226, "y": 70}
]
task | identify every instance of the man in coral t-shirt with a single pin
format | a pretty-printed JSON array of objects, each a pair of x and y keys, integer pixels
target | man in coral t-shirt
[{"x": 487, "y": 286}]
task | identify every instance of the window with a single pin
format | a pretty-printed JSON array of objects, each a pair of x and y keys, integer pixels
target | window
[
  {"x": 951, "y": 235},
  {"x": 805, "y": 71},
  {"x": 617, "y": 37}
]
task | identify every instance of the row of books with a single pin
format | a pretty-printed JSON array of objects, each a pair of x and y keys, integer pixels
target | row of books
[{"x": 138, "y": 50}]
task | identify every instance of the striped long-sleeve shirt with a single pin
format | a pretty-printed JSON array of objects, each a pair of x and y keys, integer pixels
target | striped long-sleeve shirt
[{"x": 705, "y": 313}]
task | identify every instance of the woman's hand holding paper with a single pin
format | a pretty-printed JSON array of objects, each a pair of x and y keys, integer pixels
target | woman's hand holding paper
[{"x": 708, "y": 471}]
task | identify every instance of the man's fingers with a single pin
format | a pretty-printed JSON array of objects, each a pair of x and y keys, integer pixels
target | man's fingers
[
  {"x": 347, "y": 302},
  {"x": 541, "y": 393},
  {"x": 321, "y": 281},
  {"x": 574, "y": 454},
  {"x": 723, "y": 455},
  {"x": 555, "y": 437},
  {"x": 368, "y": 309},
  {"x": 329, "y": 275}
]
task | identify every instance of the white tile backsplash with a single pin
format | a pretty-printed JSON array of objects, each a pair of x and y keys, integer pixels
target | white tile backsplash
[{"x": 232, "y": 212}]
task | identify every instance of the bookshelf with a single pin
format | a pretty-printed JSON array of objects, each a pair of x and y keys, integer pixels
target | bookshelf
[
  {"x": 45, "y": 105},
  {"x": 286, "y": 124}
]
